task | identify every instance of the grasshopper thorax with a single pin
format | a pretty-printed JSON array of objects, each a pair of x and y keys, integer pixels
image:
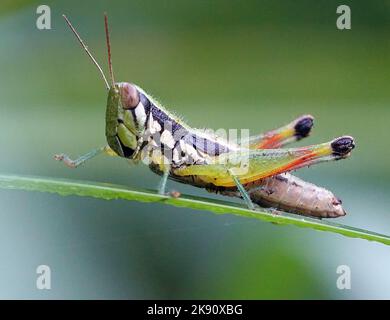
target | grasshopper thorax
[{"x": 125, "y": 119}]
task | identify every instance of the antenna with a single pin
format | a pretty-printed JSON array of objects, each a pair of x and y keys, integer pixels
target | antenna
[
  {"x": 108, "y": 49},
  {"x": 87, "y": 51}
]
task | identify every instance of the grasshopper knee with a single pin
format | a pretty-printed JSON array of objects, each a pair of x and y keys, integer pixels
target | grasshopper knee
[
  {"x": 303, "y": 126},
  {"x": 343, "y": 146}
]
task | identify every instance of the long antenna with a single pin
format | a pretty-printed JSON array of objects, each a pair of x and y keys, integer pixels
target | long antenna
[
  {"x": 87, "y": 51},
  {"x": 108, "y": 49}
]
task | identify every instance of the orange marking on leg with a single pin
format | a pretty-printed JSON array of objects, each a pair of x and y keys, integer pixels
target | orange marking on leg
[{"x": 271, "y": 142}]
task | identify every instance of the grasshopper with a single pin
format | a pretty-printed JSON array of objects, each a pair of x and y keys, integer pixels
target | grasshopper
[{"x": 254, "y": 169}]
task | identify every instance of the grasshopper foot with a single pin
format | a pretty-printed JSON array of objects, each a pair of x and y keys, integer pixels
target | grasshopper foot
[
  {"x": 175, "y": 194},
  {"x": 80, "y": 160},
  {"x": 66, "y": 160}
]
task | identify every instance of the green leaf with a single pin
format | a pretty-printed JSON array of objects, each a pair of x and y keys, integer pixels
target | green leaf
[{"x": 109, "y": 191}]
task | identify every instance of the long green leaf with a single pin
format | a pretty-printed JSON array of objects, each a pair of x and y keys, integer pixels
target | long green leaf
[{"x": 108, "y": 191}]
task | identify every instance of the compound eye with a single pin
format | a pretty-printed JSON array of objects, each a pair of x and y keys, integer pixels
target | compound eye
[{"x": 129, "y": 96}]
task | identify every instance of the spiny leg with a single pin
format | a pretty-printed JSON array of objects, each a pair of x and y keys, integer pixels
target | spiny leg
[
  {"x": 294, "y": 131},
  {"x": 243, "y": 192},
  {"x": 82, "y": 159}
]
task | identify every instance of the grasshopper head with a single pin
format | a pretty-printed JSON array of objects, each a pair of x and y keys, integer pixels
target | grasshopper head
[
  {"x": 125, "y": 119},
  {"x": 125, "y": 114}
]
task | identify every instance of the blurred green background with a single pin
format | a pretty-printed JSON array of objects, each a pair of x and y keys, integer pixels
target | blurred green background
[{"x": 220, "y": 64}]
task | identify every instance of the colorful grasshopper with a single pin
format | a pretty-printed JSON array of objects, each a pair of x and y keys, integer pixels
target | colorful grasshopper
[{"x": 138, "y": 128}]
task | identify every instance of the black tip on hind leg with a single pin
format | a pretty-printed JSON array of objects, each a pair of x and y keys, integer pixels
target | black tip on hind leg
[
  {"x": 303, "y": 126},
  {"x": 343, "y": 146}
]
